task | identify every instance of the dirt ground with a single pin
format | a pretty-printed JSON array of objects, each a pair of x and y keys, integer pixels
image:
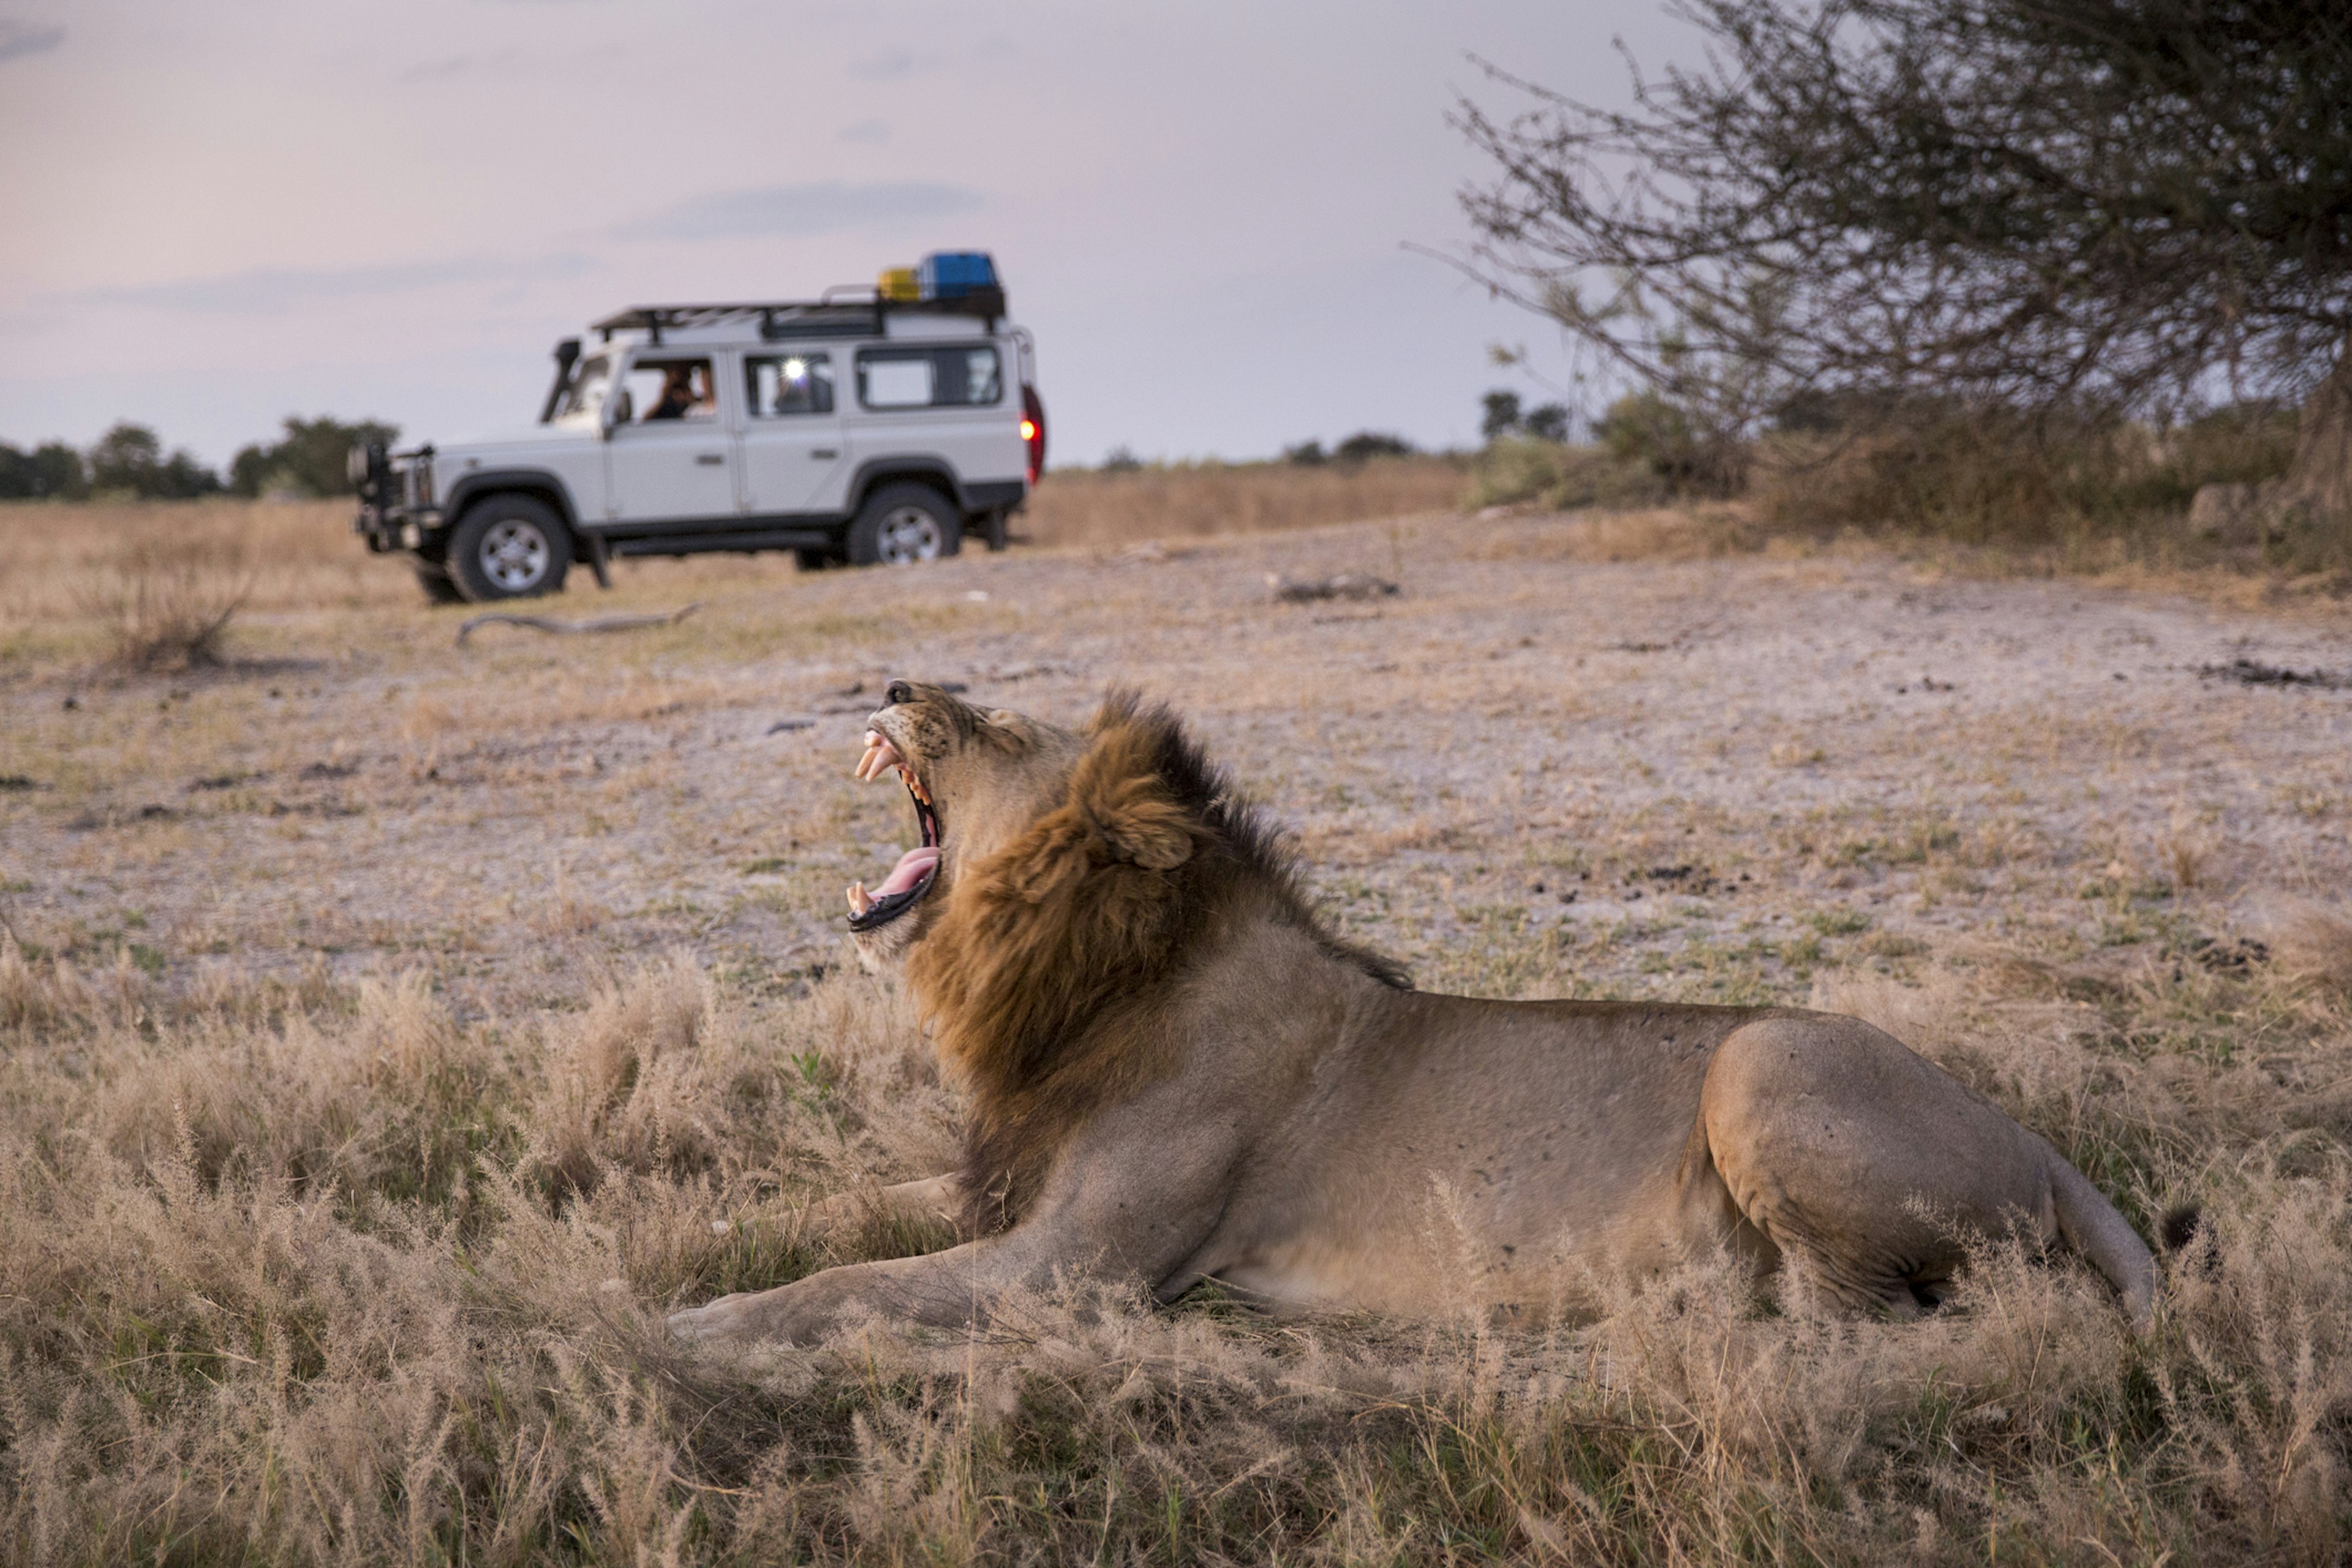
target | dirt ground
[
  {"x": 392, "y": 1029},
  {"x": 1525, "y": 773}
]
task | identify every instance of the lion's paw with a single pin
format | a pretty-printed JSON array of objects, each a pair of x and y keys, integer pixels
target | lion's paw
[{"x": 719, "y": 1321}]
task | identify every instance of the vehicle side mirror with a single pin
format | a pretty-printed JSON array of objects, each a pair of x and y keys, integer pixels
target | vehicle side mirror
[{"x": 618, "y": 411}]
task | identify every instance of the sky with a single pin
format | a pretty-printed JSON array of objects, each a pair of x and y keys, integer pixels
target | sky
[{"x": 216, "y": 214}]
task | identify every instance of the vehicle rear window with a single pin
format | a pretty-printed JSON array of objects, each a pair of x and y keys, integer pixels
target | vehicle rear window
[
  {"x": 789, "y": 383},
  {"x": 960, "y": 376}
]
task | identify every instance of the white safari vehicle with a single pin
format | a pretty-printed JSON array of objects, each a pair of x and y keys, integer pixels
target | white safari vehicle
[{"x": 858, "y": 427}]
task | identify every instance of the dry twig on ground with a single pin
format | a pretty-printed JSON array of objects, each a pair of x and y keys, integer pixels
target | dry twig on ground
[{"x": 600, "y": 624}]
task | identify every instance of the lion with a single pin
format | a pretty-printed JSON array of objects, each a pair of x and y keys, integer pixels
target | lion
[{"x": 1178, "y": 1074}]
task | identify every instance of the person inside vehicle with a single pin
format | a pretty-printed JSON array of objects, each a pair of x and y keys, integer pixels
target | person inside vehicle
[{"x": 680, "y": 398}]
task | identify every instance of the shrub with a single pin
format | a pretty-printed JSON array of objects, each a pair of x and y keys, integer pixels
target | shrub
[
  {"x": 1366, "y": 443},
  {"x": 130, "y": 458},
  {"x": 167, "y": 606},
  {"x": 1649, "y": 429},
  {"x": 50, "y": 470},
  {"x": 1981, "y": 476},
  {"x": 1525, "y": 469},
  {"x": 309, "y": 459},
  {"x": 1501, "y": 415}
]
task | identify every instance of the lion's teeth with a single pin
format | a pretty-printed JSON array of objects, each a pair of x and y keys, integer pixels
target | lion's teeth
[
  {"x": 860, "y": 900},
  {"x": 880, "y": 757}
]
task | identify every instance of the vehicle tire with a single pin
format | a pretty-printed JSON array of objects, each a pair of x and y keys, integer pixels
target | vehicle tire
[
  {"x": 438, "y": 589},
  {"x": 509, "y": 547},
  {"x": 816, "y": 559},
  {"x": 901, "y": 524}
]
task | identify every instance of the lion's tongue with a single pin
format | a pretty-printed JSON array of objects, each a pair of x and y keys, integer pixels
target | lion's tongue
[{"x": 909, "y": 870}]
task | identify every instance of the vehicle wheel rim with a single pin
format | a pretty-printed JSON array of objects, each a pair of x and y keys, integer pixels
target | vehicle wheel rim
[
  {"x": 514, "y": 556},
  {"x": 909, "y": 534}
]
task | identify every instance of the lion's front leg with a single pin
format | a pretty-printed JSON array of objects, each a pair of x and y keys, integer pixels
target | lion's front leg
[
  {"x": 1125, "y": 1205},
  {"x": 943, "y": 1289}
]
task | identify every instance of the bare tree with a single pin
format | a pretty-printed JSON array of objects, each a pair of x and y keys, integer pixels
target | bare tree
[{"x": 2104, "y": 205}]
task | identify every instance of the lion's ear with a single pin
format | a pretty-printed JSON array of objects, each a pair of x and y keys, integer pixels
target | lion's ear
[
  {"x": 1154, "y": 833},
  {"x": 1119, "y": 789}
]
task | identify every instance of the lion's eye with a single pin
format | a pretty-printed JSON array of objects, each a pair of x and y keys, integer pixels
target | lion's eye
[{"x": 897, "y": 691}]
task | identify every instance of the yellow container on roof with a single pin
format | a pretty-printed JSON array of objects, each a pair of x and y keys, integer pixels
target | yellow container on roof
[{"x": 898, "y": 283}]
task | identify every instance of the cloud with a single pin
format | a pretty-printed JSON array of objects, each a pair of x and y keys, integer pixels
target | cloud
[
  {"x": 796, "y": 211},
  {"x": 888, "y": 65},
  {"x": 871, "y": 131},
  {"x": 270, "y": 290},
  {"x": 503, "y": 62},
  {"x": 18, "y": 40}
]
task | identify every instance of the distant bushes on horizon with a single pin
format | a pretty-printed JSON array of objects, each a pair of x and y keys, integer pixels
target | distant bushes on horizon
[{"x": 306, "y": 462}]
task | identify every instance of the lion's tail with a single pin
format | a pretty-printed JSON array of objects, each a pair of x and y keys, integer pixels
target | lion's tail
[{"x": 2091, "y": 1225}]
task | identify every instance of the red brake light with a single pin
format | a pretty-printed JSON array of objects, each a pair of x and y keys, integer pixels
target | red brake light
[{"x": 1033, "y": 431}]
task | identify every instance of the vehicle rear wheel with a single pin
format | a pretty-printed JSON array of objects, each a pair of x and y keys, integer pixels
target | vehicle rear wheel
[
  {"x": 901, "y": 524},
  {"x": 509, "y": 547},
  {"x": 438, "y": 589}
]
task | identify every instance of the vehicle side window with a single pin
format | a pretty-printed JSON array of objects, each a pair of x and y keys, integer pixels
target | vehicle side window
[
  {"x": 946, "y": 377},
  {"x": 783, "y": 384},
  {"x": 659, "y": 389}
]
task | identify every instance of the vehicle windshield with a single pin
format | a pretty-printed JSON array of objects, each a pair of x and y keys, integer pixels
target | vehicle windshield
[{"x": 583, "y": 400}]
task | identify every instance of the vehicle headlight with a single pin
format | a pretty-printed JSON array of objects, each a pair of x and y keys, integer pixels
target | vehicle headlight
[{"x": 420, "y": 482}]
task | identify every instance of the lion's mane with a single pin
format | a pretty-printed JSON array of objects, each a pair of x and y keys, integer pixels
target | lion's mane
[{"x": 1049, "y": 979}]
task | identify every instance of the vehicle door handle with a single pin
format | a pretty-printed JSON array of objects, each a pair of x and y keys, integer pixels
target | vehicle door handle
[
  {"x": 711, "y": 459},
  {"x": 825, "y": 454}
]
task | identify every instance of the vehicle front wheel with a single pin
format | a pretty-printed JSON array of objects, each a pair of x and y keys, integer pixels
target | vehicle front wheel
[
  {"x": 509, "y": 547},
  {"x": 901, "y": 524}
]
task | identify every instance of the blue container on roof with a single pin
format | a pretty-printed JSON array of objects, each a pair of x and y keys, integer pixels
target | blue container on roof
[{"x": 954, "y": 274}]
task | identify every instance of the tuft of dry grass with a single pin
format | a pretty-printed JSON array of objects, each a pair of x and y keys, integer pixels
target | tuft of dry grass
[
  {"x": 2313, "y": 943},
  {"x": 166, "y": 607}
]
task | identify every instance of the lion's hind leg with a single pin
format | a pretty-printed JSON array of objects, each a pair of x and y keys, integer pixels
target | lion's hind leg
[{"x": 1864, "y": 1165}]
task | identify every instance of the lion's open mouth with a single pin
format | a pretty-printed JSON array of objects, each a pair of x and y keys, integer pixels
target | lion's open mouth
[{"x": 918, "y": 868}]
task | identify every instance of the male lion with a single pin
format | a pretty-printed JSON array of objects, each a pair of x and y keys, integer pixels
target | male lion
[{"x": 1177, "y": 1074}]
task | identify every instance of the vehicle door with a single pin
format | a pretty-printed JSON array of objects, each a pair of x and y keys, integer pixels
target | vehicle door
[
  {"x": 943, "y": 399},
  {"x": 670, "y": 453},
  {"x": 792, "y": 433}
]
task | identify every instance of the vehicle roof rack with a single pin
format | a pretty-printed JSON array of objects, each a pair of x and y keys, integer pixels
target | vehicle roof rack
[{"x": 842, "y": 313}]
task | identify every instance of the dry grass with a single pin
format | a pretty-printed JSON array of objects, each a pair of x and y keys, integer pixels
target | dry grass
[
  {"x": 2080, "y": 496},
  {"x": 2314, "y": 944},
  {"x": 361, "y": 1283},
  {"x": 1194, "y": 501},
  {"x": 296, "y": 554}
]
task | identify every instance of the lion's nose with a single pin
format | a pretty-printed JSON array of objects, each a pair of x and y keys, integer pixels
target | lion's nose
[{"x": 897, "y": 691}]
